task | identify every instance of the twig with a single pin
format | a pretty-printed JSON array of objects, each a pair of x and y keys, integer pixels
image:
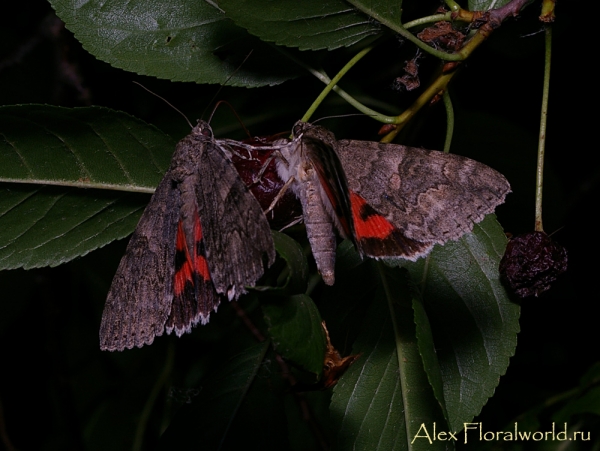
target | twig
[
  {"x": 493, "y": 20},
  {"x": 539, "y": 180}
]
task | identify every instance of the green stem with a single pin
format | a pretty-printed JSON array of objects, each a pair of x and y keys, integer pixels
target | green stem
[
  {"x": 322, "y": 76},
  {"x": 355, "y": 103},
  {"x": 402, "y": 31},
  {"x": 438, "y": 86},
  {"x": 452, "y": 5},
  {"x": 548, "y": 11},
  {"x": 539, "y": 182},
  {"x": 334, "y": 81},
  {"x": 428, "y": 19},
  {"x": 449, "y": 121}
]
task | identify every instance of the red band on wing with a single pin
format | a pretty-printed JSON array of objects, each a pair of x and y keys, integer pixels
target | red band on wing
[
  {"x": 201, "y": 266},
  {"x": 189, "y": 266},
  {"x": 367, "y": 222},
  {"x": 377, "y": 237},
  {"x": 194, "y": 295}
]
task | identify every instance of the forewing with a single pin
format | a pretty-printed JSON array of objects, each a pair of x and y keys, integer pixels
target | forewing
[
  {"x": 236, "y": 232},
  {"x": 429, "y": 196},
  {"x": 141, "y": 294},
  {"x": 332, "y": 179}
]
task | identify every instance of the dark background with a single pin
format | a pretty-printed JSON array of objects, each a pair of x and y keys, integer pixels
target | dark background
[{"x": 54, "y": 379}]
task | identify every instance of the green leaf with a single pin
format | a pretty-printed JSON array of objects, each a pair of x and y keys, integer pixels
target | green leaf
[
  {"x": 42, "y": 225},
  {"x": 588, "y": 402},
  {"x": 484, "y": 5},
  {"x": 261, "y": 417},
  {"x": 205, "y": 423},
  {"x": 387, "y": 13},
  {"x": 585, "y": 399},
  {"x": 474, "y": 323},
  {"x": 48, "y": 226},
  {"x": 308, "y": 25},
  {"x": 384, "y": 400},
  {"x": 591, "y": 376},
  {"x": 346, "y": 257},
  {"x": 454, "y": 339},
  {"x": 426, "y": 344},
  {"x": 295, "y": 277},
  {"x": 179, "y": 40},
  {"x": 296, "y": 331},
  {"x": 83, "y": 147}
]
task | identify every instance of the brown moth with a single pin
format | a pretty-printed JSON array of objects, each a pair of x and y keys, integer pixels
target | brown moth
[
  {"x": 390, "y": 200},
  {"x": 202, "y": 237}
]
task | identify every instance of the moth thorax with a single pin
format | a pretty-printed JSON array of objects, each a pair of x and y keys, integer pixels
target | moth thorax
[{"x": 306, "y": 171}]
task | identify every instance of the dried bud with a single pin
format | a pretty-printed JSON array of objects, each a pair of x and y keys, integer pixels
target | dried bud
[
  {"x": 531, "y": 262},
  {"x": 410, "y": 79},
  {"x": 334, "y": 367},
  {"x": 387, "y": 128},
  {"x": 443, "y": 35}
]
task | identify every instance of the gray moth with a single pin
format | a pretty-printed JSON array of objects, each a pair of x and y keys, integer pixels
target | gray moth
[
  {"x": 390, "y": 200},
  {"x": 202, "y": 237}
]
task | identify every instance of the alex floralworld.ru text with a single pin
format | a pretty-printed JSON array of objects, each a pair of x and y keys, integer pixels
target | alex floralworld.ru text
[{"x": 475, "y": 431}]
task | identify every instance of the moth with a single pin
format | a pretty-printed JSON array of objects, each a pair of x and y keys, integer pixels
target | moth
[
  {"x": 202, "y": 237},
  {"x": 390, "y": 200}
]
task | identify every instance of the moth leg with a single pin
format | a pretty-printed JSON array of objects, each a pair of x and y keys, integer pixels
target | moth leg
[
  {"x": 298, "y": 220},
  {"x": 280, "y": 194},
  {"x": 264, "y": 167},
  {"x": 231, "y": 144}
]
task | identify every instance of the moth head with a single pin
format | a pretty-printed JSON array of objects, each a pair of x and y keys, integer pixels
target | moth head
[
  {"x": 299, "y": 129},
  {"x": 203, "y": 129},
  {"x": 318, "y": 133}
]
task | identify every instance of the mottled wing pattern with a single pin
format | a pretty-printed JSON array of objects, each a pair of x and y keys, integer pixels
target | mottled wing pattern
[
  {"x": 371, "y": 232},
  {"x": 378, "y": 238},
  {"x": 236, "y": 232},
  {"x": 322, "y": 156},
  {"x": 140, "y": 297},
  {"x": 430, "y": 196},
  {"x": 201, "y": 236}
]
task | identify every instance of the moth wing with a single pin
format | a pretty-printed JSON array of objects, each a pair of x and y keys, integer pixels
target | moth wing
[
  {"x": 429, "y": 196},
  {"x": 332, "y": 180},
  {"x": 141, "y": 294},
  {"x": 194, "y": 295},
  {"x": 376, "y": 237},
  {"x": 236, "y": 232}
]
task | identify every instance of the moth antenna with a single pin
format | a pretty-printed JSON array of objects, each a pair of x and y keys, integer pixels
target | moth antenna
[
  {"x": 225, "y": 102},
  {"x": 340, "y": 115},
  {"x": 557, "y": 230},
  {"x": 166, "y": 101},
  {"x": 223, "y": 85}
]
